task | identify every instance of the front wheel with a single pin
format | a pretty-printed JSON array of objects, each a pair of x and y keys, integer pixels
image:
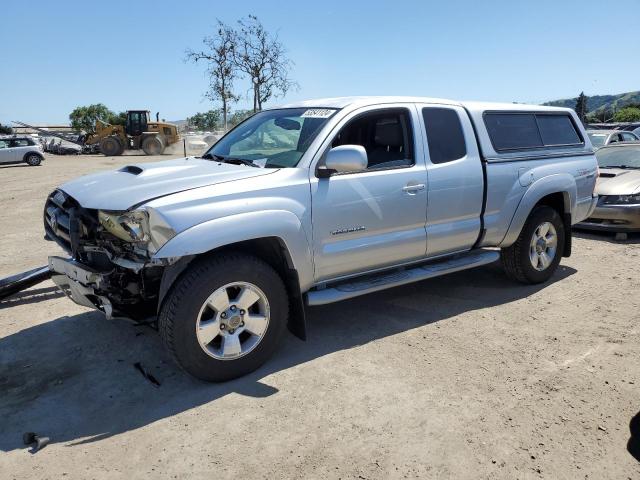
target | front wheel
[
  {"x": 535, "y": 255},
  {"x": 111, "y": 146},
  {"x": 224, "y": 317}
]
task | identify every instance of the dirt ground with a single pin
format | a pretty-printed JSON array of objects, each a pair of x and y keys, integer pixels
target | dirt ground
[{"x": 463, "y": 376}]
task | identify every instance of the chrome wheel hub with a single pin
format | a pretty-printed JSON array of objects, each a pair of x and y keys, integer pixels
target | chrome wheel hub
[
  {"x": 543, "y": 246},
  {"x": 232, "y": 321}
]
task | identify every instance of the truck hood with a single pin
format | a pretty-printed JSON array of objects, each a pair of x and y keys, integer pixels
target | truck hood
[
  {"x": 137, "y": 183},
  {"x": 618, "y": 181}
]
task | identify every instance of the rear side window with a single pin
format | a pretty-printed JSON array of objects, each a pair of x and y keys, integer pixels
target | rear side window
[
  {"x": 444, "y": 134},
  {"x": 557, "y": 130},
  {"x": 511, "y": 131},
  {"x": 19, "y": 142},
  {"x": 522, "y": 131}
]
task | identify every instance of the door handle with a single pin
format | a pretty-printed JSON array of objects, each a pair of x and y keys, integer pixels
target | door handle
[{"x": 413, "y": 188}]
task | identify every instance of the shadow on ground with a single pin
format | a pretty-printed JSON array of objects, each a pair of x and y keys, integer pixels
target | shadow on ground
[
  {"x": 73, "y": 379},
  {"x": 632, "y": 238},
  {"x": 14, "y": 165},
  {"x": 33, "y": 295}
]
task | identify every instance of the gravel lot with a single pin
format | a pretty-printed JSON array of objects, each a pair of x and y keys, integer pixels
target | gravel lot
[{"x": 464, "y": 376}]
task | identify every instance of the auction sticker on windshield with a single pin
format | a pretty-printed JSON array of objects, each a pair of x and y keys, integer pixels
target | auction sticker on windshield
[{"x": 318, "y": 113}]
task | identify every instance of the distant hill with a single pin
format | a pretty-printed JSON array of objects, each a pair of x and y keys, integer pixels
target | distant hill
[{"x": 600, "y": 102}]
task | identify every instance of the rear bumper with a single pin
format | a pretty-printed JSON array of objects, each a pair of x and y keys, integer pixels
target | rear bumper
[
  {"x": 613, "y": 218},
  {"x": 80, "y": 283}
]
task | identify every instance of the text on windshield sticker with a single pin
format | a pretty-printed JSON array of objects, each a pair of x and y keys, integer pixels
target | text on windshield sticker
[{"x": 317, "y": 113}]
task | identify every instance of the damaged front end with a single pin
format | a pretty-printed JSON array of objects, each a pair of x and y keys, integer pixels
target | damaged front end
[{"x": 111, "y": 266}]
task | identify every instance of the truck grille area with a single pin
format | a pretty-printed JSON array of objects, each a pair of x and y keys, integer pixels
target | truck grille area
[
  {"x": 131, "y": 293},
  {"x": 57, "y": 225}
]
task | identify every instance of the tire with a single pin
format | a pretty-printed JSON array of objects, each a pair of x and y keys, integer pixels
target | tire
[
  {"x": 121, "y": 149},
  {"x": 111, "y": 147},
  {"x": 545, "y": 249},
  {"x": 33, "y": 159},
  {"x": 197, "y": 325},
  {"x": 153, "y": 145}
]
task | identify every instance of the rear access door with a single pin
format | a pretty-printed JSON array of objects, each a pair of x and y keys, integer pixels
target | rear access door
[{"x": 456, "y": 180}]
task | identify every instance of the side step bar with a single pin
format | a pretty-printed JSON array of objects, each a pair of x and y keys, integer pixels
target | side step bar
[{"x": 373, "y": 283}]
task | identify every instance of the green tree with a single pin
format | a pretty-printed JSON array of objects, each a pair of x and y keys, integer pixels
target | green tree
[
  {"x": 205, "y": 121},
  {"x": 5, "y": 129},
  {"x": 239, "y": 116},
  {"x": 581, "y": 107},
  {"x": 117, "y": 118},
  {"x": 84, "y": 118},
  {"x": 601, "y": 115},
  {"x": 627, "y": 114}
]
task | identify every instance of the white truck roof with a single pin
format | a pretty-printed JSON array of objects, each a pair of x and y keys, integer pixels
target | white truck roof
[{"x": 472, "y": 106}]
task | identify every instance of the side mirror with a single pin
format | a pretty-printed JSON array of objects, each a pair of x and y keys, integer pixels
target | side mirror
[{"x": 343, "y": 159}]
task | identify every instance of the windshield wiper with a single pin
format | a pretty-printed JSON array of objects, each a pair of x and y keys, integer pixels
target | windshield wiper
[
  {"x": 620, "y": 166},
  {"x": 239, "y": 161},
  {"x": 232, "y": 160}
]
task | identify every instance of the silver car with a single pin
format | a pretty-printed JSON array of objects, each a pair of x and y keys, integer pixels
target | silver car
[
  {"x": 601, "y": 138},
  {"x": 20, "y": 149},
  {"x": 618, "y": 188}
]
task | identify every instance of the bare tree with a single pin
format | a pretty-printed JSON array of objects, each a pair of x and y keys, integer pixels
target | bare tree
[
  {"x": 221, "y": 68},
  {"x": 263, "y": 58}
]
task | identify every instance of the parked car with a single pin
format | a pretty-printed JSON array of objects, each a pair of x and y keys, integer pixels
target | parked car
[
  {"x": 17, "y": 149},
  {"x": 600, "y": 138},
  {"x": 618, "y": 187},
  {"x": 317, "y": 202}
]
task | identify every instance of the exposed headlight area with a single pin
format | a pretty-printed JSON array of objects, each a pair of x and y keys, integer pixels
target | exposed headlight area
[
  {"x": 619, "y": 199},
  {"x": 111, "y": 251},
  {"x": 144, "y": 228},
  {"x": 127, "y": 226}
]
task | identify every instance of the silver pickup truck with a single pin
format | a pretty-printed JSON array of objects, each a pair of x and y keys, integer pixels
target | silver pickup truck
[{"x": 317, "y": 202}]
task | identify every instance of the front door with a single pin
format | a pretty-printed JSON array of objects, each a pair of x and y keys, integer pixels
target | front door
[{"x": 374, "y": 218}]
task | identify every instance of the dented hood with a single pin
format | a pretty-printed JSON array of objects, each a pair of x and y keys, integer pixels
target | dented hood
[{"x": 137, "y": 183}]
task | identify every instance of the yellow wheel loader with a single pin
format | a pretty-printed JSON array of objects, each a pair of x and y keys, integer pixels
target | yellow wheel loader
[{"x": 138, "y": 133}]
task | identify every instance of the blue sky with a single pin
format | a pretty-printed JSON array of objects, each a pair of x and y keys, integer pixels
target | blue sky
[{"x": 128, "y": 55}]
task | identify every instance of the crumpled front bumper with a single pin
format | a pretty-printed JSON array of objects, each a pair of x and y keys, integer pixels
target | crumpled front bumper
[{"x": 80, "y": 283}]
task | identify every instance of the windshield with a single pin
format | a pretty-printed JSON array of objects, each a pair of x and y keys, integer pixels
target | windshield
[
  {"x": 597, "y": 139},
  {"x": 271, "y": 139},
  {"x": 626, "y": 157}
]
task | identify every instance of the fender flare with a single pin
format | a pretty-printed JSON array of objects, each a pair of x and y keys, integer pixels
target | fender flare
[
  {"x": 212, "y": 234},
  {"x": 558, "y": 183},
  {"x": 220, "y": 232}
]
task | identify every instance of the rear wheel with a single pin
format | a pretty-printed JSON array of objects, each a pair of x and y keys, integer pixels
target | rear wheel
[
  {"x": 224, "y": 317},
  {"x": 33, "y": 159},
  {"x": 111, "y": 146},
  {"x": 153, "y": 146},
  {"x": 535, "y": 255}
]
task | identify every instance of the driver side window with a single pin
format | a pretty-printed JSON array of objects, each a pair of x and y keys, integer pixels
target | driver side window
[{"x": 386, "y": 135}]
